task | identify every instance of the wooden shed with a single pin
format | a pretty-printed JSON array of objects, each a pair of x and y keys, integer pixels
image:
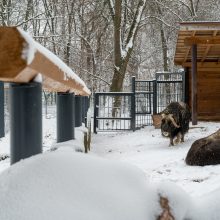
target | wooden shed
[{"x": 198, "y": 52}]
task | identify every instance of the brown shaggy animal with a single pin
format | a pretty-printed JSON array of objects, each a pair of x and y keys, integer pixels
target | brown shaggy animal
[
  {"x": 205, "y": 151},
  {"x": 175, "y": 121}
]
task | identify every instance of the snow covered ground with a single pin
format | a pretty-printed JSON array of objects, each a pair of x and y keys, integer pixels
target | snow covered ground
[
  {"x": 145, "y": 149},
  {"x": 149, "y": 151}
]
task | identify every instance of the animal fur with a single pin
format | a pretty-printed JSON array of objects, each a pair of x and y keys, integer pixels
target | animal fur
[
  {"x": 205, "y": 151},
  {"x": 175, "y": 121}
]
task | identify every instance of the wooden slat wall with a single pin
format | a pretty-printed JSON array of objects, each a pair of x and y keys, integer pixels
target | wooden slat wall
[{"x": 208, "y": 95}]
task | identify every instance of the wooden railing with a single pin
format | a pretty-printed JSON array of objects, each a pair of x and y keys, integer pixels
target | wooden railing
[
  {"x": 21, "y": 61},
  {"x": 22, "y": 58}
]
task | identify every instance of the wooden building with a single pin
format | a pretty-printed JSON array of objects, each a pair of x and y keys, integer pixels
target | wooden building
[{"x": 198, "y": 52}]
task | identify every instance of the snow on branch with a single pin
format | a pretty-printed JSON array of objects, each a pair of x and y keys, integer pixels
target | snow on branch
[
  {"x": 168, "y": 8},
  {"x": 159, "y": 19},
  {"x": 134, "y": 28},
  {"x": 112, "y": 10},
  {"x": 32, "y": 18}
]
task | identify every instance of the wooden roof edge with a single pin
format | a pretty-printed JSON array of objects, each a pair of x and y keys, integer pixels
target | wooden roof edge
[
  {"x": 200, "y": 64},
  {"x": 22, "y": 59},
  {"x": 199, "y": 25}
]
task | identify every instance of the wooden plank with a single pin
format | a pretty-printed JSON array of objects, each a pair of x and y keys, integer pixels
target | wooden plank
[
  {"x": 204, "y": 65},
  {"x": 214, "y": 40},
  {"x": 188, "y": 49},
  {"x": 205, "y": 26},
  {"x": 206, "y": 117},
  {"x": 11, "y": 46},
  {"x": 208, "y": 48},
  {"x": 16, "y": 66}
]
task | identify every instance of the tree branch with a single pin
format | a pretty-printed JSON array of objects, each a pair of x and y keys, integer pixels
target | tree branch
[
  {"x": 111, "y": 8},
  {"x": 29, "y": 20},
  {"x": 169, "y": 10},
  {"x": 134, "y": 26},
  {"x": 187, "y": 6}
]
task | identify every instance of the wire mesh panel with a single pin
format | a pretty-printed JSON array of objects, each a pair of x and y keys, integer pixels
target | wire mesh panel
[
  {"x": 144, "y": 91},
  {"x": 130, "y": 111},
  {"x": 170, "y": 88},
  {"x": 113, "y": 111}
]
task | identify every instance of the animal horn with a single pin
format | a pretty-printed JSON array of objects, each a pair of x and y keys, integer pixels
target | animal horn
[
  {"x": 163, "y": 115},
  {"x": 170, "y": 116}
]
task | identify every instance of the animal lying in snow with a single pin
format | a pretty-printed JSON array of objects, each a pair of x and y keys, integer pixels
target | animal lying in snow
[
  {"x": 175, "y": 121},
  {"x": 205, "y": 151}
]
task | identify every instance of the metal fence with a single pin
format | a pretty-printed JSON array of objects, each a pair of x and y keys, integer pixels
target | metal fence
[
  {"x": 144, "y": 102},
  {"x": 114, "y": 111},
  {"x": 134, "y": 110},
  {"x": 169, "y": 87}
]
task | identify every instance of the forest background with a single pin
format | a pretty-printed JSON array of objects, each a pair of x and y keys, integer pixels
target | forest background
[{"x": 107, "y": 41}]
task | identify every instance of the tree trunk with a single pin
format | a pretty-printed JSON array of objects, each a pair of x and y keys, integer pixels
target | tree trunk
[
  {"x": 165, "y": 58},
  {"x": 122, "y": 51}
]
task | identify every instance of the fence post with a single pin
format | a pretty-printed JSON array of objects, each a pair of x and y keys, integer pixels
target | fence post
[
  {"x": 65, "y": 116},
  {"x": 25, "y": 120},
  {"x": 85, "y": 105},
  {"x": 83, "y": 109},
  {"x": 133, "y": 105},
  {"x": 2, "y": 112},
  {"x": 78, "y": 111},
  {"x": 155, "y": 97},
  {"x": 96, "y": 106},
  {"x": 86, "y": 109}
]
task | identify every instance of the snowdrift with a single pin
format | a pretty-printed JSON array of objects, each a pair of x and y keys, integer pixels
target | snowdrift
[{"x": 68, "y": 185}]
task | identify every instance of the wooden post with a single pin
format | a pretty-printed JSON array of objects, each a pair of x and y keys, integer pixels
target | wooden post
[
  {"x": 186, "y": 85},
  {"x": 194, "y": 84}
]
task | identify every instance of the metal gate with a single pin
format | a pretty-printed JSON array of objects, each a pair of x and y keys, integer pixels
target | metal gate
[
  {"x": 170, "y": 87},
  {"x": 114, "y": 111},
  {"x": 133, "y": 110},
  {"x": 144, "y": 102}
]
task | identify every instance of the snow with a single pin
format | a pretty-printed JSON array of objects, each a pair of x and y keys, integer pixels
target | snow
[
  {"x": 124, "y": 171},
  {"x": 179, "y": 200},
  {"x": 29, "y": 50},
  {"x": 38, "y": 78},
  {"x": 32, "y": 46},
  {"x": 149, "y": 150},
  {"x": 68, "y": 185},
  {"x": 129, "y": 45}
]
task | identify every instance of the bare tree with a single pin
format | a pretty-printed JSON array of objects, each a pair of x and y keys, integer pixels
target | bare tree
[{"x": 124, "y": 38}]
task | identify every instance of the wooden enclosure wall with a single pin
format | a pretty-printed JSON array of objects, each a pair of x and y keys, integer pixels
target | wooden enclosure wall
[{"x": 208, "y": 88}]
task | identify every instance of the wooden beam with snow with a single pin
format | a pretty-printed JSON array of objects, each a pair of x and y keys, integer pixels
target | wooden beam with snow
[
  {"x": 22, "y": 58},
  {"x": 200, "y": 25},
  {"x": 188, "y": 41}
]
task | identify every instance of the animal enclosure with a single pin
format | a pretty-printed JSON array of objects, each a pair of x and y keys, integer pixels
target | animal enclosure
[{"x": 132, "y": 110}]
